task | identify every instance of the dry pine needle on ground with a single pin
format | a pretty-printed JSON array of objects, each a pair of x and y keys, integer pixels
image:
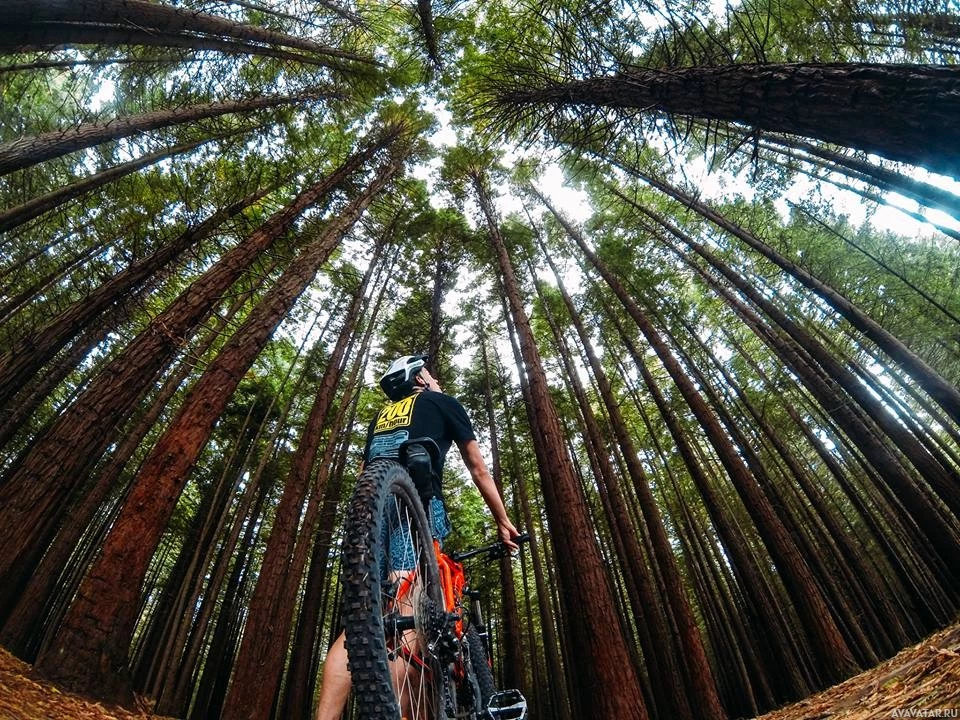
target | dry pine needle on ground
[{"x": 920, "y": 681}]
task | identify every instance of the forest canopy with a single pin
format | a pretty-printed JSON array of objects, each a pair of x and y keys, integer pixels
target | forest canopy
[{"x": 721, "y": 395}]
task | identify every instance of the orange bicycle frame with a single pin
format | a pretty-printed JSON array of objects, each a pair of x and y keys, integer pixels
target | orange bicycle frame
[{"x": 452, "y": 582}]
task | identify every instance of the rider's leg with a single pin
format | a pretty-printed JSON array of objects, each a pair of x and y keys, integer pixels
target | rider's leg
[
  {"x": 406, "y": 675},
  {"x": 335, "y": 685}
]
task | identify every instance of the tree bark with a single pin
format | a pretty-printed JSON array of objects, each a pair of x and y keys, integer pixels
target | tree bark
[
  {"x": 27, "y": 356},
  {"x": 946, "y": 395},
  {"x": 19, "y": 630},
  {"x": 835, "y": 656},
  {"x": 605, "y": 679},
  {"x": 822, "y": 385},
  {"x": 29, "y": 151},
  {"x": 58, "y": 35},
  {"x": 159, "y": 17},
  {"x": 89, "y": 652},
  {"x": 31, "y": 495},
  {"x": 511, "y": 640},
  {"x": 259, "y": 663},
  {"x": 35, "y": 207},
  {"x": 902, "y": 112},
  {"x": 924, "y": 193},
  {"x": 638, "y": 587},
  {"x": 699, "y": 674},
  {"x": 553, "y": 692}
]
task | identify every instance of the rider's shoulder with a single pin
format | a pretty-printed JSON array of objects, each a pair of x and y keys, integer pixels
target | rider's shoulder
[{"x": 440, "y": 398}]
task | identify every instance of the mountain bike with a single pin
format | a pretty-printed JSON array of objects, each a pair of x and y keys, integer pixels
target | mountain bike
[{"x": 414, "y": 633}]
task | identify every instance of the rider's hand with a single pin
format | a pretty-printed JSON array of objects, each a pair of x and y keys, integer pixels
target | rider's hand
[{"x": 507, "y": 533}]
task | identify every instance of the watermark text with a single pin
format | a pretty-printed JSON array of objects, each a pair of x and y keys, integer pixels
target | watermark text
[{"x": 925, "y": 713}]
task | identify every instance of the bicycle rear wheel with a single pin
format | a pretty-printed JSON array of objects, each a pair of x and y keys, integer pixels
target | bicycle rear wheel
[{"x": 393, "y": 605}]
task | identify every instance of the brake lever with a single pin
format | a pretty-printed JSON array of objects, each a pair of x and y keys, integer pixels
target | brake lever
[{"x": 500, "y": 549}]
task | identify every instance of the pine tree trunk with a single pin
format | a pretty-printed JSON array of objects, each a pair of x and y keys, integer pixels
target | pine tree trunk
[
  {"x": 821, "y": 385},
  {"x": 49, "y": 35},
  {"x": 938, "y": 388},
  {"x": 260, "y": 659},
  {"x": 29, "y": 151},
  {"x": 157, "y": 17},
  {"x": 31, "y": 495},
  {"x": 211, "y": 684},
  {"x": 89, "y": 652},
  {"x": 28, "y": 355},
  {"x": 638, "y": 586},
  {"x": 605, "y": 678},
  {"x": 511, "y": 639},
  {"x": 703, "y": 691},
  {"x": 800, "y": 533},
  {"x": 902, "y": 112},
  {"x": 833, "y": 653},
  {"x": 553, "y": 692},
  {"x": 924, "y": 193},
  {"x": 19, "y": 214},
  {"x": 18, "y": 633}
]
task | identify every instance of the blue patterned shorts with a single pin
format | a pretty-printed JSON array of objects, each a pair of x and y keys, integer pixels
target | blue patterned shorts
[{"x": 403, "y": 553}]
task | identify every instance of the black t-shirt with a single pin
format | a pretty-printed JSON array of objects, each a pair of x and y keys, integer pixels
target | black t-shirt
[{"x": 423, "y": 414}]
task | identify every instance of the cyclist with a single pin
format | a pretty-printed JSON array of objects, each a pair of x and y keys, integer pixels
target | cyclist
[{"x": 418, "y": 408}]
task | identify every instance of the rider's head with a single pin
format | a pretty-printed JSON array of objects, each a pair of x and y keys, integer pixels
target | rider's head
[{"x": 404, "y": 375}]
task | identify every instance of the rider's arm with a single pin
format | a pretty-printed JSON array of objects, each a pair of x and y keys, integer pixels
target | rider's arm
[{"x": 473, "y": 459}]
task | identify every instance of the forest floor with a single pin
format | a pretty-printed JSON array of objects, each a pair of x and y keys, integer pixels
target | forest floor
[
  {"x": 922, "y": 681},
  {"x": 24, "y": 696}
]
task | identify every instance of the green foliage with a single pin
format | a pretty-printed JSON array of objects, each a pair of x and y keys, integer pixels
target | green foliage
[{"x": 436, "y": 264}]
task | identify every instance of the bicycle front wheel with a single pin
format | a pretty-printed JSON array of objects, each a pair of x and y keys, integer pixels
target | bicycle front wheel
[{"x": 393, "y": 604}]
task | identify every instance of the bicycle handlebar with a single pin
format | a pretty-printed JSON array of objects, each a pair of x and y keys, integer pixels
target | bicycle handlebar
[{"x": 494, "y": 551}]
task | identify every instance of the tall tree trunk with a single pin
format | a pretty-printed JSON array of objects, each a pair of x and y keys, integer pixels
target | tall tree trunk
[
  {"x": 257, "y": 671},
  {"x": 296, "y": 703},
  {"x": 902, "y": 112},
  {"x": 764, "y": 472},
  {"x": 45, "y": 36},
  {"x": 28, "y": 151},
  {"x": 157, "y": 17},
  {"x": 699, "y": 675},
  {"x": 89, "y": 652},
  {"x": 605, "y": 677},
  {"x": 211, "y": 683},
  {"x": 924, "y": 193},
  {"x": 511, "y": 639},
  {"x": 941, "y": 532},
  {"x": 19, "y": 629},
  {"x": 762, "y": 603},
  {"x": 441, "y": 272},
  {"x": 27, "y": 356},
  {"x": 937, "y": 387},
  {"x": 553, "y": 692},
  {"x": 37, "y": 206},
  {"x": 182, "y": 675},
  {"x": 31, "y": 495},
  {"x": 835, "y": 656},
  {"x": 664, "y": 685}
]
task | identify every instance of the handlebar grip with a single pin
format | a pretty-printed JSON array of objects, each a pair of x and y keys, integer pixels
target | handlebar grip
[{"x": 522, "y": 538}]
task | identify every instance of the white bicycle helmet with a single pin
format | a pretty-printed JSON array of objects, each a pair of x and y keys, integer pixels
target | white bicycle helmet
[{"x": 397, "y": 381}]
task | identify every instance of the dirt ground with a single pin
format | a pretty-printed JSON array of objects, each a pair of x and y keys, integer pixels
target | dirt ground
[
  {"x": 922, "y": 681},
  {"x": 23, "y": 696}
]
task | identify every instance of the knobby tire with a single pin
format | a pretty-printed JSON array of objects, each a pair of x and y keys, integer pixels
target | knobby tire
[
  {"x": 384, "y": 497},
  {"x": 481, "y": 666}
]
